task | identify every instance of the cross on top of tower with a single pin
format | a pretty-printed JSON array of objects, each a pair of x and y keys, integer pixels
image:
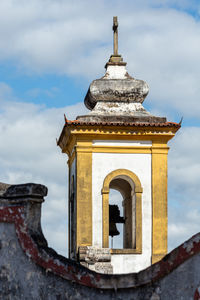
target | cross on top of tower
[
  {"x": 115, "y": 58},
  {"x": 115, "y": 32}
]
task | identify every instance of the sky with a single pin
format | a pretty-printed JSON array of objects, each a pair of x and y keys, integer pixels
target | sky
[{"x": 51, "y": 50}]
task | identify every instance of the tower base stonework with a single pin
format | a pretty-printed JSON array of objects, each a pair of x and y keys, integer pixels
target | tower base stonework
[{"x": 96, "y": 259}]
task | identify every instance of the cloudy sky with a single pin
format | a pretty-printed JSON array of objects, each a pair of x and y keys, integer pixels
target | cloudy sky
[{"x": 50, "y": 51}]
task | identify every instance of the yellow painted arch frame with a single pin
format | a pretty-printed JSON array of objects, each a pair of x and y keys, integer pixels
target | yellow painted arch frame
[{"x": 105, "y": 202}]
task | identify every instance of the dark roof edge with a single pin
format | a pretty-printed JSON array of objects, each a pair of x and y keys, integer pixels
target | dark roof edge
[{"x": 134, "y": 124}]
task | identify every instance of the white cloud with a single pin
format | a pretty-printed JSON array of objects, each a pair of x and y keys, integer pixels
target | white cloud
[
  {"x": 160, "y": 43},
  {"x": 184, "y": 188},
  {"x": 28, "y": 153}
]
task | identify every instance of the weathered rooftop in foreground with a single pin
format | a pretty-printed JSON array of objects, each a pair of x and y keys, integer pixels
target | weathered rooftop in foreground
[{"x": 31, "y": 270}]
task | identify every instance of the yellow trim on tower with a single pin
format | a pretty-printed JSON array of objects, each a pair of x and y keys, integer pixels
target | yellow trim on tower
[
  {"x": 105, "y": 216},
  {"x": 159, "y": 202},
  {"x": 121, "y": 149},
  {"x": 72, "y": 134},
  {"x": 105, "y": 204},
  {"x": 84, "y": 196},
  {"x": 95, "y": 130}
]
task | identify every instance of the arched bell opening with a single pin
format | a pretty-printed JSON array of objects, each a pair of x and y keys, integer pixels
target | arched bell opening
[
  {"x": 122, "y": 213},
  {"x": 130, "y": 214}
]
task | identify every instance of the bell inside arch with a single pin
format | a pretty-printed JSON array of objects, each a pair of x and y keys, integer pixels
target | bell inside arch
[{"x": 114, "y": 217}]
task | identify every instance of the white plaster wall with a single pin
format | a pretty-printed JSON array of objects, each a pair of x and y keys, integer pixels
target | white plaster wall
[
  {"x": 121, "y": 143},
  {"x": 140, "y": 164}
]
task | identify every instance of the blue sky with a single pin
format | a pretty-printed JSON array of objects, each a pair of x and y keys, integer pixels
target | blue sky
[
  {"x": 51, "y": 90},
  {"x": 51, "y": 50}
]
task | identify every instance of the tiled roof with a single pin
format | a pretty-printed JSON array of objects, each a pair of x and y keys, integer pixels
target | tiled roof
[{"x": 133, "y": 124}]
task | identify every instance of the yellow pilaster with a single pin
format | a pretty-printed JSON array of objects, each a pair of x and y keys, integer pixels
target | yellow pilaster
[
  {"x": 138, "y": 221},
  {"x": 159, "y": 201},
  {"x": 84, "y": 194},
  {"x": 105, "y": 200}
]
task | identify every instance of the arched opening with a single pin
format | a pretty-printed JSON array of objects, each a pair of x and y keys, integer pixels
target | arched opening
[
  {"x": 126, "y": 211},
  {"x": 122, "y": 213}
]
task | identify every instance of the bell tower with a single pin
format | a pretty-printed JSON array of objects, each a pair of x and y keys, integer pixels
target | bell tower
[{"x": 117, "y": 146}]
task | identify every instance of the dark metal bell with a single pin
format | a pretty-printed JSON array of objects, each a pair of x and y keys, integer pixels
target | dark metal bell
[
  {"x": 114, "y": 217},
  {"x": 113, "y": 229}
]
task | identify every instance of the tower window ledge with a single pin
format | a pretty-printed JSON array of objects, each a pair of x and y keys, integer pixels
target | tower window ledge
[{"x": 125, "y": 251}]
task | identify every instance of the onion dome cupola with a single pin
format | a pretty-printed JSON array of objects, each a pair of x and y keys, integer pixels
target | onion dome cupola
[{"x": 117, "y": 97}]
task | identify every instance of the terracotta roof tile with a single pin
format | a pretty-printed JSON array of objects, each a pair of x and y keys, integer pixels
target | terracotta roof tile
[{"x": 134, "y": 124}]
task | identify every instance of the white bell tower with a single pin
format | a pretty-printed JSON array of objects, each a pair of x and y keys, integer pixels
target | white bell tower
[{"x": 120, "y": 146}]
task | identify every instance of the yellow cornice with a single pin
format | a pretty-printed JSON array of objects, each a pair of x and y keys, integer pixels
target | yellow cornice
[
  {"x": 71, "y": 138},
  {"x": 125, "y": 131}
]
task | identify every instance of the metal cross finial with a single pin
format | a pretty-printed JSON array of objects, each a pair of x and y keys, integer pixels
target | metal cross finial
[
  {"x": 115, "y": 31},
  {"x": 115, "y": 58}
]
